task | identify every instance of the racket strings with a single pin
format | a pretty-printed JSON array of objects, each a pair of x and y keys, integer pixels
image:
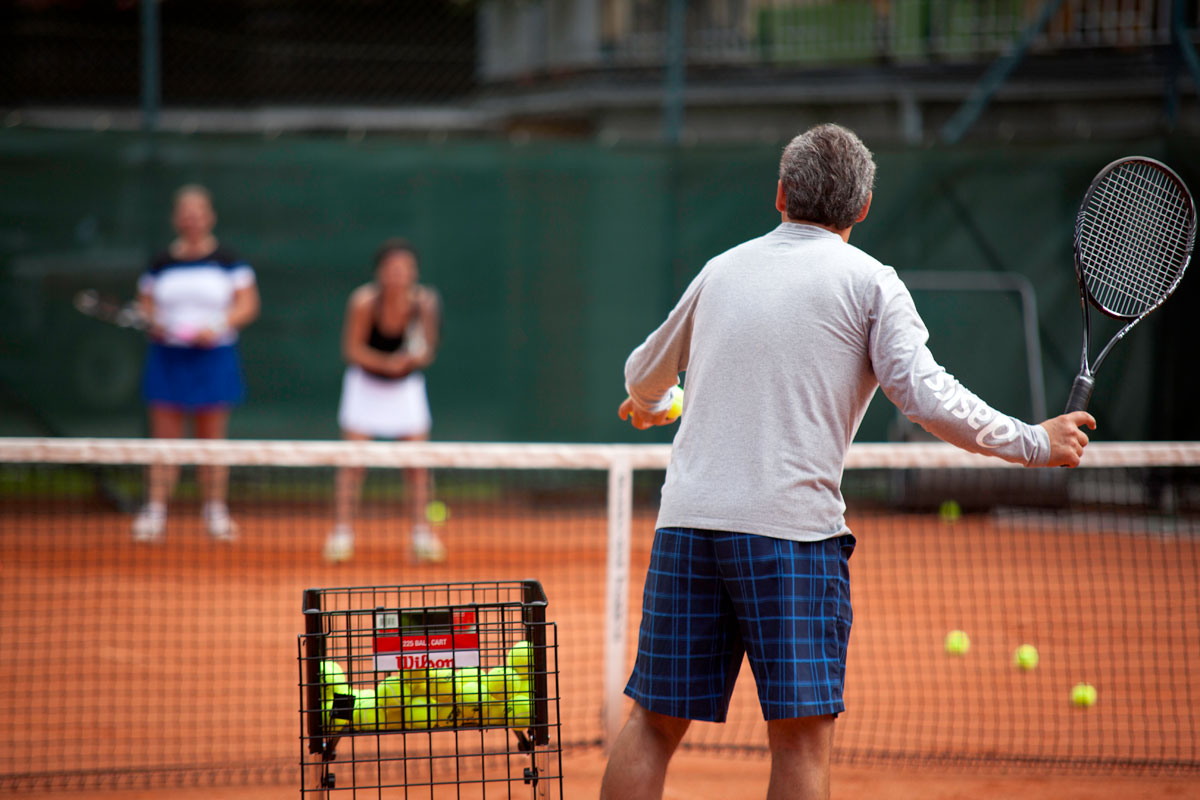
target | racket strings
[
  {"x": 1140, "y": 244},
  {"x": 1141, "y": 232},
  {"x": 1135, "y": 235}
]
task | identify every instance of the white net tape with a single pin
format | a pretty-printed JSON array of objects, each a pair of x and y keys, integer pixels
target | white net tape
[{"x": 475, "y": 455}]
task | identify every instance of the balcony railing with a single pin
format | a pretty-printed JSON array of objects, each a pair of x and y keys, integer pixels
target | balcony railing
[{"x": 519, "y": 39}]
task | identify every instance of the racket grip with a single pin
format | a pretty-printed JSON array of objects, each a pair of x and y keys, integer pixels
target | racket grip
[{"x": 1081, "y": 393}]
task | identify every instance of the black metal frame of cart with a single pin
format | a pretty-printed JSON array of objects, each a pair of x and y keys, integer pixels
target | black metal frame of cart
[{"x": 504, "y": 612}]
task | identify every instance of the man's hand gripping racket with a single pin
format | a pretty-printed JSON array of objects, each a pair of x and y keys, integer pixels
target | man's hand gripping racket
[{"x": 1133, "y": 241}]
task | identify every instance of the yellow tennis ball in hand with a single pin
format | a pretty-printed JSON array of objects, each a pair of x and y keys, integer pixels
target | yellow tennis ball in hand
[
  {"x": 957, "y": 643},
  {"x": 1026, "y": 657},
  {"x": 676, "y": 408},
  {"x": 1083, "y": 695}
]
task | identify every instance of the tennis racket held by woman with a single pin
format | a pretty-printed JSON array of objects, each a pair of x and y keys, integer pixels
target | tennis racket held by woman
[
  {"x": 92, "y": 303},
  {"x": 1133, "y": 241}
]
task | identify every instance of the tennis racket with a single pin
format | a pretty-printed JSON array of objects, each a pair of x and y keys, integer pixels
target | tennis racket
[
  {"x": 130, "y": 315},
  {"x": 1133, "y": 241},
  {"x": 93, "y": 304}
]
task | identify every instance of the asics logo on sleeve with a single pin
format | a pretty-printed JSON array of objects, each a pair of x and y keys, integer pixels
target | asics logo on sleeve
[{"x": 994, "y": 429}]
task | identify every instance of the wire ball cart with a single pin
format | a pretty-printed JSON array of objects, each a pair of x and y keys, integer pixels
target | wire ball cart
[{"x": 443, "y": 690}]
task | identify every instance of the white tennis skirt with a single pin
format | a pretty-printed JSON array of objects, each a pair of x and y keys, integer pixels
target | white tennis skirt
[{"x": 384, "y": 408}]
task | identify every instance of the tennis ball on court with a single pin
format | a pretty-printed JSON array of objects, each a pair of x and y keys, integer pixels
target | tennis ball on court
[
  {"x": 957, "y": 642},
  {"x": 1025, "y": 657},
  {"x": 675, "y": 410},
  {"x": 436, "y": 512},
  {"x": 1083, "y": 695},
  {"x": 950, "y": 511},
  {"x": 520, "y": 712}
]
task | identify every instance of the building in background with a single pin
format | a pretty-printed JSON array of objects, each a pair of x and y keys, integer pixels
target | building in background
[
  {"x": 735, "y": 70},
  {"x": 895, "y": 69},
  {"x": 324, "y": 127}
]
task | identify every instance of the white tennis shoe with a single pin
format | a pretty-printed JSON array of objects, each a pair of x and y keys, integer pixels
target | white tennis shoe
[
  {"x": 339, "y": 545},
  {"x": 428, "y": 547},
  {"x": 150, "y": 525},
  {"x": 221, "y": 526}
]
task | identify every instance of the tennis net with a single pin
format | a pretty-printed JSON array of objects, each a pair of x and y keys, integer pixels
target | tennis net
[{"x": 129, "y": 663}]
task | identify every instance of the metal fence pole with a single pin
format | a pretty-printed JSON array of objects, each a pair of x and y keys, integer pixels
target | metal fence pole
[
  {"x": 151, "y": 65},
  {"x": 676, "y": 60}
]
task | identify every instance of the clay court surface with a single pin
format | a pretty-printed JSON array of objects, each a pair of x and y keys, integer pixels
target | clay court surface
[
  {"x": 704, "y": 778},
  {"x": 184, "y": 655}
]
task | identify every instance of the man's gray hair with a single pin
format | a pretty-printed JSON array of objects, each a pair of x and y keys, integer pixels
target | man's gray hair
[{"x": 827, "y": 174}]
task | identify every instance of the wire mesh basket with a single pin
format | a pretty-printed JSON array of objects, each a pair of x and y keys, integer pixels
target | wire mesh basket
[{"x": 433, "y": 690}]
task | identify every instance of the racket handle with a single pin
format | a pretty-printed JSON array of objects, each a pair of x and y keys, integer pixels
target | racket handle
[{"x": 1081, "y": 393}]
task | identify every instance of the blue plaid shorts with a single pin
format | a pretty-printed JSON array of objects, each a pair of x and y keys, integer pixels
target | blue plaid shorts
[{"x": 712, "y": 596}]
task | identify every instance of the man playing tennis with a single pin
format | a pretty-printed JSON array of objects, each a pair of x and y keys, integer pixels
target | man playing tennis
[{"x": 784, "y": 339}]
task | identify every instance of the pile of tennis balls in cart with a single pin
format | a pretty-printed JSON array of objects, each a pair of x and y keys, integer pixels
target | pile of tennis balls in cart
[{"x": 420, "y": 699}]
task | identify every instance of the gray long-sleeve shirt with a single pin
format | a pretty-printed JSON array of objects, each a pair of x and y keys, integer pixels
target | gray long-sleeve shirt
[{"x": 784, "y": 339}]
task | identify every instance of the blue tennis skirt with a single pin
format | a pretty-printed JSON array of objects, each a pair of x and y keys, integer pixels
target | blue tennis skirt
[
  {"x": 193, "y": 378},
  {"x": 713, "y": 597}
]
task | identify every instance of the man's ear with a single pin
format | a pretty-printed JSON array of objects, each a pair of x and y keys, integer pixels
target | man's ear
[
  {"x": 780, "y": 198},
  {"x": 866, "y": 207}
]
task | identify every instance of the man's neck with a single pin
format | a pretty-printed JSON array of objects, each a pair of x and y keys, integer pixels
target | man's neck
[{"x": 842, "y": 232}]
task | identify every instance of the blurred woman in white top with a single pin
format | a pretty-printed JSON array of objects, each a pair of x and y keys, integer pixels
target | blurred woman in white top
[{"x": 196, "y": 296}]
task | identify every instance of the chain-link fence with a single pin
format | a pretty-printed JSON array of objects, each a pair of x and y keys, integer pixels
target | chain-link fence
[
  {"x": 280, "y": 52},
  {"x": 239, "y": 52}
]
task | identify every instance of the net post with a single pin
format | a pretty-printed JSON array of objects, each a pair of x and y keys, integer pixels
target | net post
[{"x": 616, "y": 600}]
